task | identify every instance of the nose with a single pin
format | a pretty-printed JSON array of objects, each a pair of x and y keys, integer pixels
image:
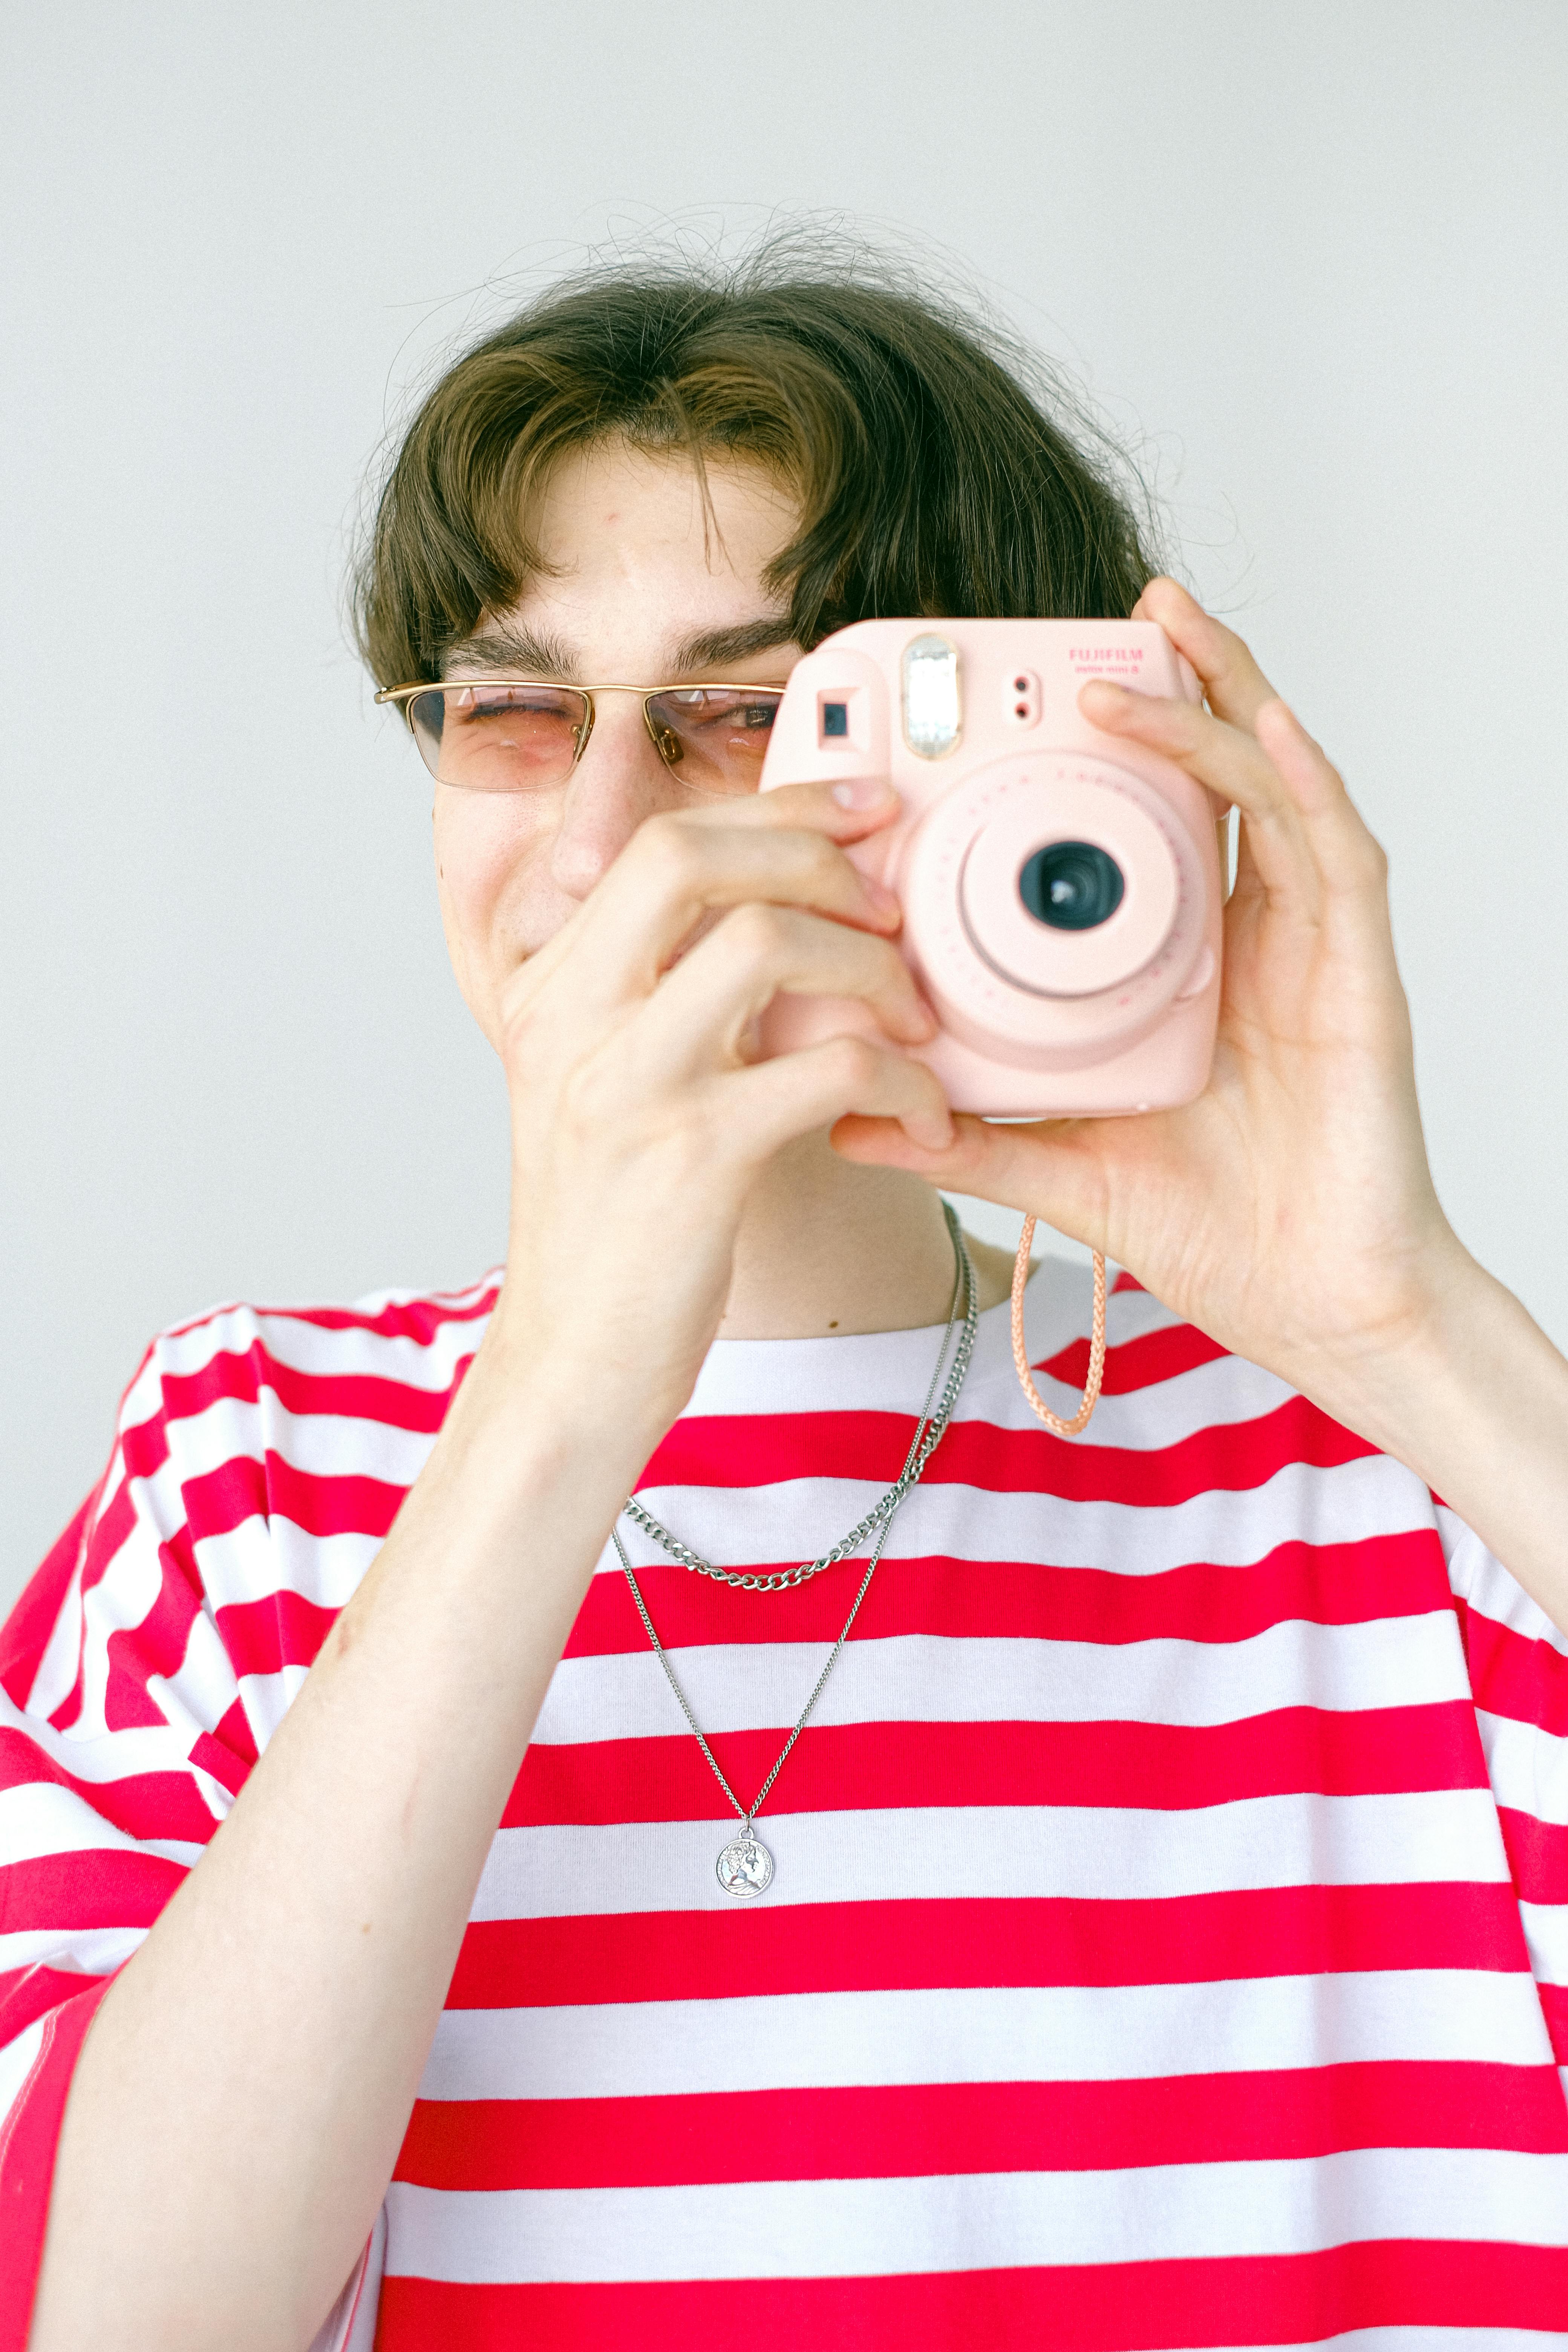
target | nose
[{"x": 619, "y": 781}]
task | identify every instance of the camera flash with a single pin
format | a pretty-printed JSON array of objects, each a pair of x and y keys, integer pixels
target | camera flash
[{"x": 932, "y": 716}]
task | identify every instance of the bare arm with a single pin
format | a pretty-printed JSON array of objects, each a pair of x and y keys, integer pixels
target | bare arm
[{"x": 240, "y": 2099}]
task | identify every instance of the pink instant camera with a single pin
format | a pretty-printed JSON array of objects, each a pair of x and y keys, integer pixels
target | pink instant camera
[{"x": 1061, "y": 888}]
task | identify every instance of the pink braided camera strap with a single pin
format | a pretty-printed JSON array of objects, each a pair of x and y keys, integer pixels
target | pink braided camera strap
[{"x": 1095, "y": 1344}]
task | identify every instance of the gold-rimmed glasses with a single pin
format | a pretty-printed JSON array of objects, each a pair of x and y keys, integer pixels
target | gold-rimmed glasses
[{"x": 522, "y": 735}]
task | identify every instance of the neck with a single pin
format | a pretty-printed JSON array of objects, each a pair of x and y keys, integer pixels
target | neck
[{"x": 825, "y": 1247}]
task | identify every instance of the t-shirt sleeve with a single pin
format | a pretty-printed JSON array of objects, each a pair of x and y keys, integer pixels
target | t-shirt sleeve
[
  {"x": 1519, "y": 1678},
  {"x": 123, "y": 1742}
]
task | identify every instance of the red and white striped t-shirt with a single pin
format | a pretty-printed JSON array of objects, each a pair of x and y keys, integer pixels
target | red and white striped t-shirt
[{"x": 1170, "y": 1931}]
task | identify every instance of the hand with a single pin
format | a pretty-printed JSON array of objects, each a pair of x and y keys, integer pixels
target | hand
[
  {"x": 639, "y": 1116},
  {"x": 1288, "y": 1212}
]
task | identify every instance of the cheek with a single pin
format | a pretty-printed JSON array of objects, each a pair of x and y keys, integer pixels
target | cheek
[{"x": 486, "y": 847}]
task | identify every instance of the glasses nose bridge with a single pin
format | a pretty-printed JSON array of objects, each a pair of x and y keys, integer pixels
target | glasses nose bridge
[{"x": 647, "y": 697}]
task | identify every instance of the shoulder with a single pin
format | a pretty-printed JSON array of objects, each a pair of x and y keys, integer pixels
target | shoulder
[
  {"x": 320, "y": 1413},
  {"x": 392, "y": 1355},
  {"x": 261, "y": 1455}
]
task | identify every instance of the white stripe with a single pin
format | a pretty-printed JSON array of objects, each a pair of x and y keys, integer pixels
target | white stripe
[
  {"x": 935, "y": 1678},
  {"x": 104, "y": 1757},
  {"x": 1486, "y": 1585},
  {"x": 117, "y": 1603},
  {"x": 1409, "y": 2339},
  {"x": 1528, "y": 1766},
  {"x": 268, "y": 1698},
  {"x": 1546, "y": 1933},
  {"x": 1066, "y": 2033},
  {"x": 965, "y": 1852},
  {"x": 39, "y": 1818},
  {"x": 56, "y": 1678},
  {"x": 16, "y": 2061},
  {"x": 797, "y": 1519},
  {"x": 317, "y": 1445},
  {"x": 262, "y": 1557},
  {"x": 314, "y": 1348},
  {"x": 999, "y": 2221},
  {"x": 1222, "y": 1394},
  {"x": 92, "y": 1950}
]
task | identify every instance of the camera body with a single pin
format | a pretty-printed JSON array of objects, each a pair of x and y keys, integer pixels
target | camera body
[{"x": 1061, "y": 888}]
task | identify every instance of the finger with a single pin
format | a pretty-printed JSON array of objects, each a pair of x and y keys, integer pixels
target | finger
[
  {"x": 1229, "y": 759},
  {"x": 1233, "y": 684},
  {"x": 1350, "y": 859},
  {"x": 1045, "y": 1167},
  {"x": 703, "y": 1009},
  {"x": 680, "y": 868},
  {"x": 1305, "y": 836},
  {"x": 773, "y": 1102}
]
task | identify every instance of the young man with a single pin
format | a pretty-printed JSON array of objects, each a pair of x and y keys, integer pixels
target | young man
[{"x": 1161, "y": 1934}]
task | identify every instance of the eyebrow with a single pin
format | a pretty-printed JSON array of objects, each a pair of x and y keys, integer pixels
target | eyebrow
[
  {"x": 711, "y": 648},
  {"x": 507, "y": 645}
]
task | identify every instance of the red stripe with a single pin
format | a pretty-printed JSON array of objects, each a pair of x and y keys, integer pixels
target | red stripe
[
  {"x": 422, "y": 1318},
  {"x": 758, "y": 1449},
  {"x": 284, "y": 1629},
  {"x": 1537, "y": 1855},
  {"x": 1325, "y": 1584},
  {"x": 904, "y": 2130},
  {"x": 27, "y": 1994},
  {"x": 156, "y": 1643},
  {"x": 849, "y": 1766},
  {"x": 25, "y": 1636},
  {"x": 100, "y": 1888},
  {"x": 1089, "y": 2307},
  {"x": 937, "y": 1945},
  {"x": 243, "y": 1488},
  {"x": 1511, "y": 1675},
  {"x": 113, "y": 1528},
  {"x": 144, "y": 1446},
  {"x": 244, "y": 1378},
  {"x": 1138, "y": 1363},
  {"x": 27, "y": 2162},
  {"x": 743, "y": 1450},
  {"x": 144, "y": 1804},
  {"x": 238, "y": 1739}
]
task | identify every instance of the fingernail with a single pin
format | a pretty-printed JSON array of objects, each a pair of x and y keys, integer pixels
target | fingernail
[
  {"x": 879, "y": 898},
  {"x": 862, "y": 792}
]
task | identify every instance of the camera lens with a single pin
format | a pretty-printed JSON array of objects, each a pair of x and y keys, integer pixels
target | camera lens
[{"x": 1071, "y": 886}]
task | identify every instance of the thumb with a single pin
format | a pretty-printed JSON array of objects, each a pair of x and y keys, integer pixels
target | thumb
[{"x": 1049, "y": 1170}]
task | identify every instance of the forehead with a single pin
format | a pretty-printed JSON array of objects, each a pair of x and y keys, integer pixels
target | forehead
[
  {"x": 637, "y": 565},
  {"x": 609, "y": 501}
]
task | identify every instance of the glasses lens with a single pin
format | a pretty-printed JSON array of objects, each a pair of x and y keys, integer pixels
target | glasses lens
[
  {"x": 715, "y": 738},
  {"x": 497, "y": 739}
]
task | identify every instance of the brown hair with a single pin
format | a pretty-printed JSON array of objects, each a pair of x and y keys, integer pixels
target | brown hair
[{"x": 931, "y": 475}]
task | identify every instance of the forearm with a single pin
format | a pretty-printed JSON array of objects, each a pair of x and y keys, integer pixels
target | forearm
[
  {"x": 240, "y": 2102},
  {"x": 1476, "y": 1403}
]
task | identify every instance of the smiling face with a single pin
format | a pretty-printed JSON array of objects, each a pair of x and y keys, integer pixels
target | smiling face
[{"x": 636, "y": 590}]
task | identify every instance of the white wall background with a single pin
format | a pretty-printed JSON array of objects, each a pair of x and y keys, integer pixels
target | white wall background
[{"x": 1314, "y": 253}]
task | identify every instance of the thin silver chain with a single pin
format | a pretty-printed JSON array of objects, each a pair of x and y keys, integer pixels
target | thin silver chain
[{"x": 927, "y": 1433}]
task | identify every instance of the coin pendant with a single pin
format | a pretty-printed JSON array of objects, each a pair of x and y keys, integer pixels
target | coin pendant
[{"x": 745, "y": 1867}]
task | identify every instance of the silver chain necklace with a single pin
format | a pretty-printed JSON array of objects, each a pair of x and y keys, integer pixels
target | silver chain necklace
[{"x": 746, "y": 1867}]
